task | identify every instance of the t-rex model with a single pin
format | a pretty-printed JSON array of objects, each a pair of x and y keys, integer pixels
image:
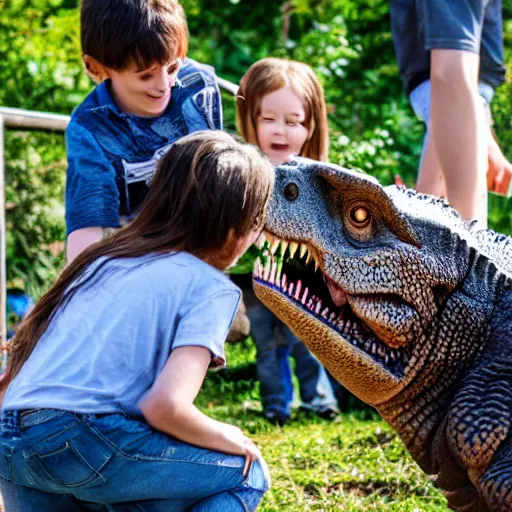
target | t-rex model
[{"x": 411, "y": 311}]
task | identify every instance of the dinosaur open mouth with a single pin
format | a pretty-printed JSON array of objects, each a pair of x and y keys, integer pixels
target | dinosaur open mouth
[{"x": 294, "y": 270}]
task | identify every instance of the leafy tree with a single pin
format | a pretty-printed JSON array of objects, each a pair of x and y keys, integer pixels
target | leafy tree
[{"x": 347, "y": 42}]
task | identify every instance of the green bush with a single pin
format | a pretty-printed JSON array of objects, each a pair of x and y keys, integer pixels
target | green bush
[{"x": 347, "y": 42}]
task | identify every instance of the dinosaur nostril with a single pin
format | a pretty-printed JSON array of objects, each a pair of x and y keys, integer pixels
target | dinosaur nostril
[{"x": 291, "y": 191}]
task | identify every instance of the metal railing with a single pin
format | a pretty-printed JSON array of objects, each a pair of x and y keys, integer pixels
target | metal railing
[{"x": 19, "y": 119}]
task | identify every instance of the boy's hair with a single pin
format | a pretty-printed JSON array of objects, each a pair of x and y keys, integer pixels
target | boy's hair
[
  {"x": 269, "y": 75},
  {"x": 116, "y": 31},
  {"x": 207, "y": 186}
]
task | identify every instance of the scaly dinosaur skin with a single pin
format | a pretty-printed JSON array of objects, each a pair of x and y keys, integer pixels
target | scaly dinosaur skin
[{"x": 416, "y": 317}]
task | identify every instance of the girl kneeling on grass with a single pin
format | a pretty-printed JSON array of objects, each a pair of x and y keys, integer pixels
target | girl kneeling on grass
[{"x": 99, "y": 411}]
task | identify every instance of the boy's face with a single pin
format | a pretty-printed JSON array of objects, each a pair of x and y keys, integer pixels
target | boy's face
[{"x": 142, "y": 92}]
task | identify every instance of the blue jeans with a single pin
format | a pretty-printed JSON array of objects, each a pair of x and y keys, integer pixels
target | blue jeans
[
  {"x": 274, "y": 342},
  {"x": 58, "y": 461}
]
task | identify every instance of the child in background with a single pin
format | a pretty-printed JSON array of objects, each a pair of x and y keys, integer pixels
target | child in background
[
  {"x": 104, "y": 371},
  {"x": 281, "y": 108},
  {"x": 149, "y": 95}
]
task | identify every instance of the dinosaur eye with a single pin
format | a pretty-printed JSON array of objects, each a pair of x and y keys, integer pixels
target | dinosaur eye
[
  {"x": 291, "y": 191},
  {"x": 360, "y": 216}
]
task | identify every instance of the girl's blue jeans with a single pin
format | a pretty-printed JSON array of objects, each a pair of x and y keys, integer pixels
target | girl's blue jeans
[
  {"x": 58, "y": 461},
  {"x": 275, "y": 342}
]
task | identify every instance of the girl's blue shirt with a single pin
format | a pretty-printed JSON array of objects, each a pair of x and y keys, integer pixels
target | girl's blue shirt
[{"x": 105, "y": 347}]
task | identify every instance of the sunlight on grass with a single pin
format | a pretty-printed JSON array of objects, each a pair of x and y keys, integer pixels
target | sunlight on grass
[{"x": 355, "y": 463}]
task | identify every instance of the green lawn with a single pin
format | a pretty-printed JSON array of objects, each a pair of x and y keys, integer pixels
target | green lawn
[{"x": 353, "y": 463}]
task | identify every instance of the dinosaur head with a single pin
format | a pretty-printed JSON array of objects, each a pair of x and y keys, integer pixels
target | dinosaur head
[{"x": 361, "y": 281}]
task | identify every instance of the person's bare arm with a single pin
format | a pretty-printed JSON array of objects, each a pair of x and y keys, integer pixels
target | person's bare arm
[
  {"x": 79, "y": 239},
  {"x": 169, "y": 406},
  {"x": 459, "y": 130}
]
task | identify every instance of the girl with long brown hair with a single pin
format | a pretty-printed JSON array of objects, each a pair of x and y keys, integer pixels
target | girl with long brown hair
[
  {"x": 99, "y": 406},
  {"x": 281, "y": 108}
]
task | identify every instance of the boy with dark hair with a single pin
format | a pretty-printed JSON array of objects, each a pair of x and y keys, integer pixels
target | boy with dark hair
[{"x": 149, "y": 95}]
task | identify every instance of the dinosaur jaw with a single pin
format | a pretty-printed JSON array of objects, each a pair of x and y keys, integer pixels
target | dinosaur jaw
[{"x": 322, "y": 316}]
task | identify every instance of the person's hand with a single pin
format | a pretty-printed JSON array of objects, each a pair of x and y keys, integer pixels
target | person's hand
[
  {"x": 499, "y": 173},
  {"x": 238, "y": 443},
  {"x": 241, "y": 326}
]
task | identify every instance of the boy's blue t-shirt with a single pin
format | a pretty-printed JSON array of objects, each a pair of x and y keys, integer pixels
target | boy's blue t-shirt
[
  {"x": 112, "y": 155},
  {"x": 104, "y": 349}
]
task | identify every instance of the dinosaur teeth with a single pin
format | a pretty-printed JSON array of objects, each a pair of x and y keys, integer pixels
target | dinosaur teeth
[
  {"x": 308, "y": 258},
  {"x": 273, "y": 270},
  {"x": 293, "y": 248},
  {"x": 303, "y": 250},
  {"x": 283, "y": 282},
  {"x": 298, "y": 288},
  {"x": 266, "y": 270},
  {"x": 305, "y": 296},
  {"x": 261, "y": 241},
  {"x": 274, "y": 245},
  {"x": 282, "y": 249}
]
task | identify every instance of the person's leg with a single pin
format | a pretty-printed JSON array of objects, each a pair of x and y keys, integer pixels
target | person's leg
[
  {"x": 430, "y": 175},
  {"x": 271, "y": 363},
  {"x": 315, "y": 389},
  {"x": 112, "y": 461},
  {"x": 17, "y": 498},
  {"x": 249, "y": 494},
  {"x": 458, "y": 130}
]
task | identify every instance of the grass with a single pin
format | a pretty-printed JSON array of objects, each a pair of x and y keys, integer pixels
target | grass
[{"x": 354, "y": 463}]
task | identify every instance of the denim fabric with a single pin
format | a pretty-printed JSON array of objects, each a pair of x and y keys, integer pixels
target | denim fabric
[
  {"x": 419, "y": 26},
  {"x": 59, "y": 461},
  {"x": 274, "y": 342},
  {"x": 112, "y": 155}
]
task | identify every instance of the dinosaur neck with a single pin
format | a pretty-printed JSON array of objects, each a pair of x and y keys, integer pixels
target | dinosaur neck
[{"x": 451, "y": 345}]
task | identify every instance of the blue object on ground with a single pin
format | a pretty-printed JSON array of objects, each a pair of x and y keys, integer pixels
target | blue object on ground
[{"x": 19, "y": 304}]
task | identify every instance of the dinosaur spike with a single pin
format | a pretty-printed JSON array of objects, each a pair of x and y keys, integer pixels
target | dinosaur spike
[
  {"x": 293, "y": 249},
  {"x": 303, "y": 250}
]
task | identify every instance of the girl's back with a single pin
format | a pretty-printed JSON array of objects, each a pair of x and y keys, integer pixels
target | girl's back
[{"x": 103, "y": 350}]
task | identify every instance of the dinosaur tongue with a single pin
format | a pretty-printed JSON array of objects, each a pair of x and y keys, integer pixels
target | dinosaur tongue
[{"x": 339, "y": 297}]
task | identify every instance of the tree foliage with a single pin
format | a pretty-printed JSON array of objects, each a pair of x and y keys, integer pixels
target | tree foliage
[{"x": 347, "y": 42}]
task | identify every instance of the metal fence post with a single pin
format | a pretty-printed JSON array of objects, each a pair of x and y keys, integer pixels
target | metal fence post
[{"x": 3, "y": 277}]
